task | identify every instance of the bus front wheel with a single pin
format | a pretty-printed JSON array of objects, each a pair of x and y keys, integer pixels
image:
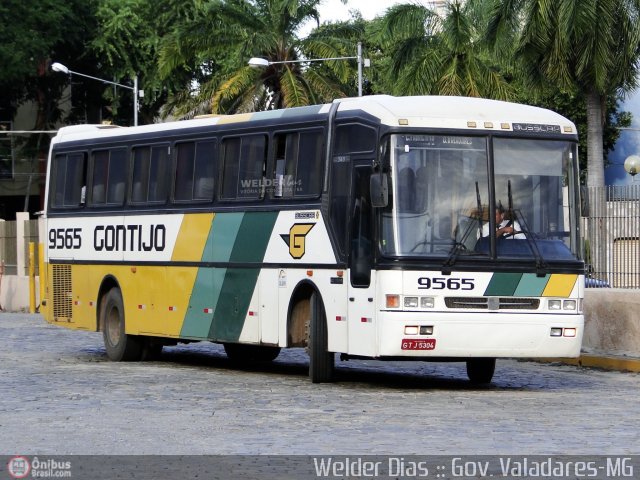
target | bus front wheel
[
  {"x": 480, "y": 370},
  {"x": 321, "y": 361},
  {"x": 119, "y": 345}
]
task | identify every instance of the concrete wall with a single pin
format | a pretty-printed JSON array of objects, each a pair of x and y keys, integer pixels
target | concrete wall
[
  {"x": 612, "y": 321},
  {"x": 14, "y": 293}
]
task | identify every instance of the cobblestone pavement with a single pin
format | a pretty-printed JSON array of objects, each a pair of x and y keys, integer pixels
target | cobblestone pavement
[{"x": 60, "y": 395}]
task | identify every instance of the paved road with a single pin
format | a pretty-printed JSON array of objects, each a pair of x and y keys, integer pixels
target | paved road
[{"x": 60, "y": 395}]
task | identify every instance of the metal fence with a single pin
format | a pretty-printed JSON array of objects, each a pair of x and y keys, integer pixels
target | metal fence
[
  {"x": 9, "y": 246},
  {"x": 611, "y": 234}
]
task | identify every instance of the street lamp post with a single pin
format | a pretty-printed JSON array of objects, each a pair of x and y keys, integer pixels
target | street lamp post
[
  {"x": 263, "y": 62},
  {"x": 58, "y": 67},
  {"x": 632, "y": 165}
]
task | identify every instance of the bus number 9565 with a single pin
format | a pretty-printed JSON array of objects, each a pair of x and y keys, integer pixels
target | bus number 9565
[
  {"x": 440, "y": 283},
  {"x": 65, "y": 238}
]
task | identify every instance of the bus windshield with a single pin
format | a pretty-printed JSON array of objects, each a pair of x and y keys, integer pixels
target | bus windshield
[{"x": 440, "y": 203}]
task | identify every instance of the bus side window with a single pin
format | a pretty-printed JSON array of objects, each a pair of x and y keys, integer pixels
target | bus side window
[
  {"x": 117, "y": 177},
  {"x": 149, "y": 179},
  {"x": 203, "y": 170},
  {"x": 185, "y": 156},
  {"x": 100, "y": 161},
  {"x": 231, "y": 165},
  {"x": 140, "y": 180},
  {"x": 286, "y": 159},
  {"x": 244, "y": 161},
  {"x": 69, "y": 172},
  {"x": 354, "y": 138},
  {"x": 309, "y": 171},
  {"x": 158, "y": 178}
]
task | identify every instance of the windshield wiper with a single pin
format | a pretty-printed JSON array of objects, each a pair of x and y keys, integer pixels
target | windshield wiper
[
  {"x": 541, "y": 265},
  {"x": 458, "y": 247}
]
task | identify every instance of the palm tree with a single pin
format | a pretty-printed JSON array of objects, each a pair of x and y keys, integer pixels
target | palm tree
[
  {"x": 219, "y": 43},
  {"x": 431, "y": 55},
  {"x": 588, "y": 45}
]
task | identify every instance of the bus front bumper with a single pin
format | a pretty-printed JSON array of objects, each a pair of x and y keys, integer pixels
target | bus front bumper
[{"x": 467, "y": 335}]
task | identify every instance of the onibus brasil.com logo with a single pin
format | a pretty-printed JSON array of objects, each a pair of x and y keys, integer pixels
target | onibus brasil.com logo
[{"x": 20, "y": 467}]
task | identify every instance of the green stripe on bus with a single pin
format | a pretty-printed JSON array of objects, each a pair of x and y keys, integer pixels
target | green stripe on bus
[
  {"x": 253, "y": 237},
  {"x": 239, "y": 283},
  {"x": 209, "y": 281},
  {"x": 503, "y": 284},
  {"x": 531, "y": 285},
  {"x": 222, "y": 237},
  {"x": 203, "y": 302},
  {"x": 233, "y": 304}
]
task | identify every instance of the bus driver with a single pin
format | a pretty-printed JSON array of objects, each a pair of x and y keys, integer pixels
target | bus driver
[{"x": 505, "y": 228}]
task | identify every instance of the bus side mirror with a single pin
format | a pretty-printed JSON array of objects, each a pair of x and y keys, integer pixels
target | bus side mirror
[
  {"x": 379, "y": 189},
  {"x": 584, "y": 201}
]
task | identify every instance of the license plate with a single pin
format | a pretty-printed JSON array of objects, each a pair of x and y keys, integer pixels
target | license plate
[{"x": 412, "y": 344}]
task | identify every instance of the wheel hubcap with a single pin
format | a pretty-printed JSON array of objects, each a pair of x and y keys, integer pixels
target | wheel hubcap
[{"x": 113, "y": 326}]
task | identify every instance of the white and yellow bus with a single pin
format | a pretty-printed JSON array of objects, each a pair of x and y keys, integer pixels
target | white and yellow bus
[{"x": 372, "y": 227}]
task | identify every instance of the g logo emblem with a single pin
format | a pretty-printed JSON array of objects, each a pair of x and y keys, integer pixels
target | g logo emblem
[{"x": 296, "y": 239}]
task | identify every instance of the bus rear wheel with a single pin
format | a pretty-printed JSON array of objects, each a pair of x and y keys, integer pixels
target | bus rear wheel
[
  {"x": 480, "y": 370},
  {"x": 321, "y": 361},
  {"x": 120, "y": 346}
]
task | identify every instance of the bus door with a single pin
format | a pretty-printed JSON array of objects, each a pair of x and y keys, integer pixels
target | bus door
[{"x": 361, "y": 288}]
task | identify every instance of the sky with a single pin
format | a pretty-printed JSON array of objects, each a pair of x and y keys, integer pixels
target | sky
[{"x": 332, "y": 10}]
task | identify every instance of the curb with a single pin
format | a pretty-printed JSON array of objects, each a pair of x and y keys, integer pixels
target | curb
[{"x": 621, "y": 364}]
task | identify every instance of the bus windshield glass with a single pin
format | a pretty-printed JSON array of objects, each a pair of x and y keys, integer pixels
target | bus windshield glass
[{"x": 440, "y": 203}]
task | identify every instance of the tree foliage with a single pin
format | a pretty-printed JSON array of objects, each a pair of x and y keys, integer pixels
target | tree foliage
[
  {"x": 439, "y": 56},
  {"x": 590, "y": 46},
  {"x": 237, "y": 30}
]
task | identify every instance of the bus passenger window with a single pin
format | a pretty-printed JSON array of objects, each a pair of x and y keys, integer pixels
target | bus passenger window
[
  {"x": 99, "y": 177},
  {"x": 149, "y": 180},
  {"x": 298, "y": 167},
  {"x": 204, "y": 169},
  {"x": 309, "y": 171},
  {"x": 244, "y": 163},
  {"x": 158, "y": 179},
  {"x": 117, "y": 177},
  {"x": 231, "y": 156},
  {"x": 140, "y": 180},
  {"x": 68, "y": 180},
  {"x": 183, "y": 188},
  {"x": 285, "y": 174}
]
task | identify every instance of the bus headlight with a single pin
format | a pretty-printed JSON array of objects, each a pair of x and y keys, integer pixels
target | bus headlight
[
  {"x": 426, "y": 302},
  {"x": 555, "y": 304},
  {"x": 569, "y": 305},
  {"x": 410, "y": 302}
]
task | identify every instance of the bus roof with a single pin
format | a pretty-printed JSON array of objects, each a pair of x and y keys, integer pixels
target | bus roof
[{"x": 467, "y": 113}]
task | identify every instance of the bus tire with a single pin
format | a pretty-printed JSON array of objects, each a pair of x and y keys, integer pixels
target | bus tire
[
  {"x": 251, "y": 353},
  {"x": 480, "y": 370},
  {"x": 321, "y": 361},
  {"x": 120, "y": 346}
]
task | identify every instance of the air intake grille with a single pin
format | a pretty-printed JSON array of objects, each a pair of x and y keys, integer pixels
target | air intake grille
[
  {"x": 62, "y": 299},
  {"x": 493, "y": 303}
]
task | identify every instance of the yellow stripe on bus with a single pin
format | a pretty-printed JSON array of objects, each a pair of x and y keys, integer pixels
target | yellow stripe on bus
[
  {"x": 192, "y": 237},
  {"x": 560, "y": 285}
]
